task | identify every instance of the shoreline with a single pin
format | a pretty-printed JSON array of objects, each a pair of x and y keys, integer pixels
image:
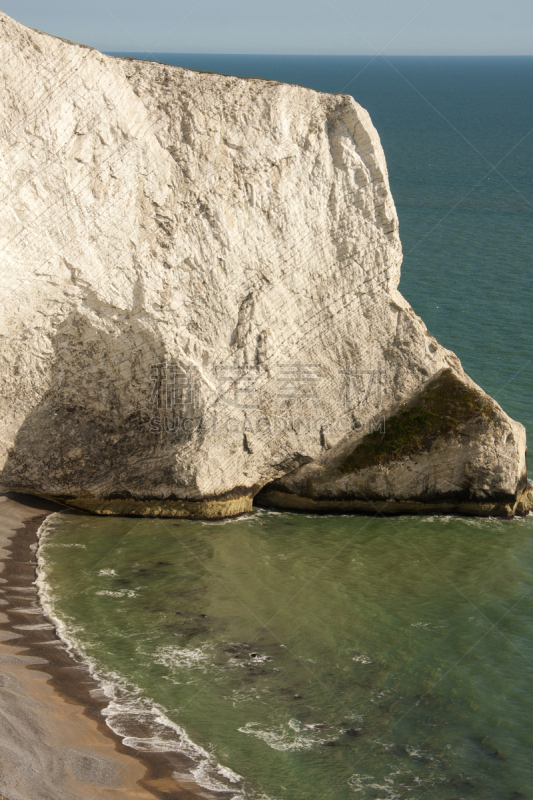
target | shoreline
[{"x": 51, "y": 710}]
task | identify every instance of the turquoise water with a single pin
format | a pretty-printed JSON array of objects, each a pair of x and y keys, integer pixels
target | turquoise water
[{"x": 352, "y": 657}]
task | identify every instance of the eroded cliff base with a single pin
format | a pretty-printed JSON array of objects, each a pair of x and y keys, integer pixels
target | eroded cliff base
[
  {"x": 208, "y": 508},
  {"x": 473, "y": 508},
  {"x": 437, "y": 453}
]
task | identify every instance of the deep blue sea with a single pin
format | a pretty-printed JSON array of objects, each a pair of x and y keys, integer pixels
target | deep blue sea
[{"x": 350, "y": 657}]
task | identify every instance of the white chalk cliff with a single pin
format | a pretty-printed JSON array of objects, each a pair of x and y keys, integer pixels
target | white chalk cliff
[{"x": 199, "y": 303}]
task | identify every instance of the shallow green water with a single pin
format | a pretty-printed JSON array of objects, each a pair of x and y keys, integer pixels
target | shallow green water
[{"x": 417, "y": 631}]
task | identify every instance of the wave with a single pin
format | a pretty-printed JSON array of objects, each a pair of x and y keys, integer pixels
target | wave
[
  {"x": 286, "y": 737},
  {"x": 127, "y": 707}
]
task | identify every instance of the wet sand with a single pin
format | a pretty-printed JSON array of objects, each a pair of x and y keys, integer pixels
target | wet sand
[{"x": 54, "y": 743}]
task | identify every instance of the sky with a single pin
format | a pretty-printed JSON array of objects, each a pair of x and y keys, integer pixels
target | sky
[{"x": 321, "y": 27}]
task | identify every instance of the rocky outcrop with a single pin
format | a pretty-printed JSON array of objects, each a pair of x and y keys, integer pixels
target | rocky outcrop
[
  {"x": 200, "y": 303},
  {"x": 441, "y": 450}
]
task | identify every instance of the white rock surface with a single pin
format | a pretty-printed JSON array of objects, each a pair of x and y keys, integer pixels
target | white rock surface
[{"x": 240, "y": 232}]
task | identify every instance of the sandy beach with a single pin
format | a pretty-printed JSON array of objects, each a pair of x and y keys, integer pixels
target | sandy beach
[{"x": 54, "y": 744}]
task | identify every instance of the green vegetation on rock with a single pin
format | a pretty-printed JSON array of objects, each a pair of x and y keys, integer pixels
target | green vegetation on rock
[{"x": 441, "y": 408}]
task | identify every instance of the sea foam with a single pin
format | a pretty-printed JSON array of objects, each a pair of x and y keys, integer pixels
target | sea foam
[{"x": 126, "y": 703}]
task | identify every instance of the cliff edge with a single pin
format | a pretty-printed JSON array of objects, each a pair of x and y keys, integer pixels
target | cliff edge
[{"x": 200, "y": 305}]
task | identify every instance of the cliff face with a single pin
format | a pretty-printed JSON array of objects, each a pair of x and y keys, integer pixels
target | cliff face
[{"x": 199, "y": 302}]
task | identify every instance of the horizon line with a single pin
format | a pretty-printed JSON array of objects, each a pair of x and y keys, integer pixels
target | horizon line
[{"x": 325, "y": 55}]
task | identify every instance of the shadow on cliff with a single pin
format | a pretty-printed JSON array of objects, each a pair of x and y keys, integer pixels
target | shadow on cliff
[{"x": 91, "y": 432}]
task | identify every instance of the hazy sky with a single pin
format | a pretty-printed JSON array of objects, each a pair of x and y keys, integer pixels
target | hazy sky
[{"x": 396, "y": 27}]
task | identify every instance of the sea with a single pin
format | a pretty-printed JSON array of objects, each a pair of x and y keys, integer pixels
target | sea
[{"x": 301, "y": 657}]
